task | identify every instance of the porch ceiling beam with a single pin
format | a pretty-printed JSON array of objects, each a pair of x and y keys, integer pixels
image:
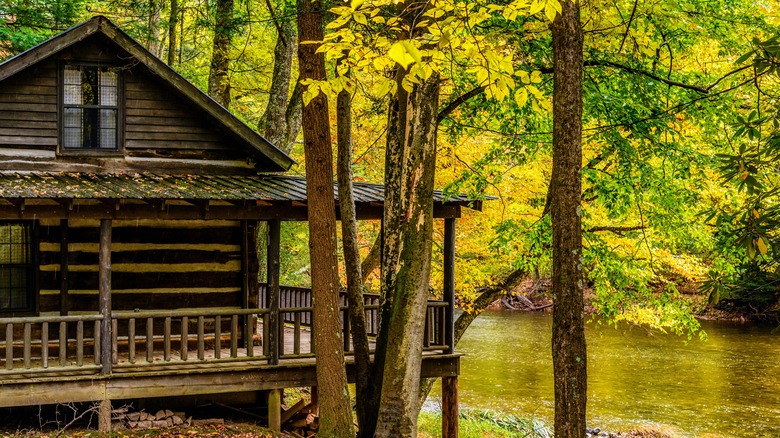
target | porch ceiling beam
[
  {"x": 159, "y": 209},
  {"x": 18, "y": 203},
  {"x": 65, "y": 202},
  {"x": 113, "y": 204}
]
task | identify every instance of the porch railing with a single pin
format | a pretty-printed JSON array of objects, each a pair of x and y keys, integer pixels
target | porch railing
[{"x": 144, "y": 339}]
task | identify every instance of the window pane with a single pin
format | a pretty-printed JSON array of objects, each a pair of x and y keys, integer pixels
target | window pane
[
  {"x": 72, "y": 88},
  {"x": 108, "y": 87},
  {"x": 108, "y": 128},
  {"x": 72, "y": 127}
]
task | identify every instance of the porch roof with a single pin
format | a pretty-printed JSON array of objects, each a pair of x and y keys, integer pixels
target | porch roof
[{"x": 145, "y": 186}]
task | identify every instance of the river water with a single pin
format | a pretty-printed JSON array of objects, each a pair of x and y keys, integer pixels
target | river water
[{"x": 726, "y": 386}]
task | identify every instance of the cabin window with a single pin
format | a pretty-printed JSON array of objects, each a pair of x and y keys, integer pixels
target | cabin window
[
  {"x": 17, "y": 267},
  {"x": 90, "y": 108}
]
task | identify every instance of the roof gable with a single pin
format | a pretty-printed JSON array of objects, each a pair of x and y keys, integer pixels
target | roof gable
[{"x": 252, "y": 143}]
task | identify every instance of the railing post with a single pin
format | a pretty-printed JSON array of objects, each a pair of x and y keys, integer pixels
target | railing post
[
  {"x": 449, "y": 284},
  {"x": 104, "y": 284},
  {"x": 273, "y": 291}
]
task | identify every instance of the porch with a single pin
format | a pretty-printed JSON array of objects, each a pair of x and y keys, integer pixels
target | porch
[{"x": 159, "y": 296}]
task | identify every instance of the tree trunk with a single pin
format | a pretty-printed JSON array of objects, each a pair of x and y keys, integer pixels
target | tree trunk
[
  {"x": 335, "y": 409},
  {"x": 173, "y": 36},
  {"x": 219, "y": 82},
  {"x": 372, "y": 259},
  {"x": 274, "y": 120},
  {"x": 410, "y": 161},
  {"x": 153, "y": 41},
  {"x": 357, "y": 316},
  {"x": 294, "y": 117},
  {"x": 568, "y": 338}
]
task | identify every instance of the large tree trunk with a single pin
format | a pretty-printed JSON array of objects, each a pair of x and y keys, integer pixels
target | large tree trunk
[
  {"x": 219, "y": 81},
  {"x": 274, "y": 121},
  {"x": 568, "y": 338},
  {"x": 335, "y": 412},
  {"x": 173, "y": 36},
  {"x": 408, "y": 233}
]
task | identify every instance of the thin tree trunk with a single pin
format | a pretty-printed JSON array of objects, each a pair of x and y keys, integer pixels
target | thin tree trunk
[
  {"x": 410, "y": 168},
  {"x": 219, "y": 81},
  {"x": 153, "y": 41},
  {"x": 274, "y": 120},
  {"x": 335, "y": 409},
  {"x": 173, "y": 36},
  {"x": 568, "y": 338},
  {"x": 371, "y": 262},
  {"x": 294, "y": 117},
  {"x": 357, "y": 315}
]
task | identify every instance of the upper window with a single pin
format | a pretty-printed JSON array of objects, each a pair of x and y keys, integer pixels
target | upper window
[
  {"x": 90, "y": 108},
  {"x": 17, "y": 267}
]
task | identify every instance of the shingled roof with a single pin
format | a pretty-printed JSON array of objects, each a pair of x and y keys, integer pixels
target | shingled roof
[{"x": 271, "y": 188}]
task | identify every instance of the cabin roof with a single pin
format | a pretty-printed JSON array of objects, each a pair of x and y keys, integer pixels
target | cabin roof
[
  {"x": 101, "y": 25},
  {"x": 272, "y": 188}
]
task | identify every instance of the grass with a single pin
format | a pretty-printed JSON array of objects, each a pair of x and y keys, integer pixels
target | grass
[{"x": 479, "y": 423}]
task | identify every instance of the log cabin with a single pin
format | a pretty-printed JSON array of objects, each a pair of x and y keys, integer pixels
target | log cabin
[{"x": 129, "y": 202}]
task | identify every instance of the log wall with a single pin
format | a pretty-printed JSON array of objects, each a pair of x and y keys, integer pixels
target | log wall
[
  {"x": 28, "y": 109},
  {"x": 155, "y": 264}
]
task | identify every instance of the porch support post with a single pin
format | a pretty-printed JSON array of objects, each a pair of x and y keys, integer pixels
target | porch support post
[
  {"x": 449, "y": 407},
  {"x": 64, "y": 300},
  {"x": 449, "y": 284},
  {"x": 273, "y": 292},
  {"x": 275, "y": 410},
  {"x": 104, "y": 284},
  {"x": 104, "y": 416}
]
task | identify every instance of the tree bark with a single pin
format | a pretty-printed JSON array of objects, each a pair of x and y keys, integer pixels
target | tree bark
[
  {"x": 294, "y": 117},
  {"x": 274, "y": 121},
  {"x": 357, "y": 316},
  {"x": 568, "y": 338},
  {"x": 154, "y": 42},
  {"x": 335, "y": 412},
  {"x": 409, "y": 170},
  {"x": 371, "y": 262},
  {"x": 173, "y": 36},
  {"x": 219, "y": 81}
]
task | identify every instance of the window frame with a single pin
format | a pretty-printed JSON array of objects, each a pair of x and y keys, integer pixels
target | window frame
[
  {"x": 33, "y": 292},
  {"x": 120, "y": 116}
]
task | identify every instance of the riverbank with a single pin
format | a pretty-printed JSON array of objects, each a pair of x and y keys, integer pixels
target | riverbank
[
  {"x": 534, "y": 296},
  {"x": 480, "y": 423}
]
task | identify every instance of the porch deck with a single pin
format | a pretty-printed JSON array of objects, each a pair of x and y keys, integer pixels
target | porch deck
[{"x": 53, "y": 359}]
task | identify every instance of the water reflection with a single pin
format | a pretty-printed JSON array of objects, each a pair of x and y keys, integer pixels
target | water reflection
[{"x": 728, "y": 385}]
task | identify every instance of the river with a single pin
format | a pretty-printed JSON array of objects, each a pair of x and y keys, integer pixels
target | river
[{"x": 727, "y": 386}]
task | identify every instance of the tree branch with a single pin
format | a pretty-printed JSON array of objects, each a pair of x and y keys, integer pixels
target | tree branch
[
  {"x": 615, "y": 229},
  {"x": 628, "y": 26},
  {"x": 447, "y": 110}
]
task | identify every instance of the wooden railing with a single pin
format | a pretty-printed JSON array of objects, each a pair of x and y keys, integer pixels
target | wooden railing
[
  {"x": 176, "y": 336},
  {"x": 296, "y": 312},
  {"x": 50, "y": 342},
  {"x": 173, "y": 338}
]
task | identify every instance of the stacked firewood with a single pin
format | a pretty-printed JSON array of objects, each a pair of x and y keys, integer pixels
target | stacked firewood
[
  {"x": 301, "y": 420},
  {"x": 164, "y": 418}
]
